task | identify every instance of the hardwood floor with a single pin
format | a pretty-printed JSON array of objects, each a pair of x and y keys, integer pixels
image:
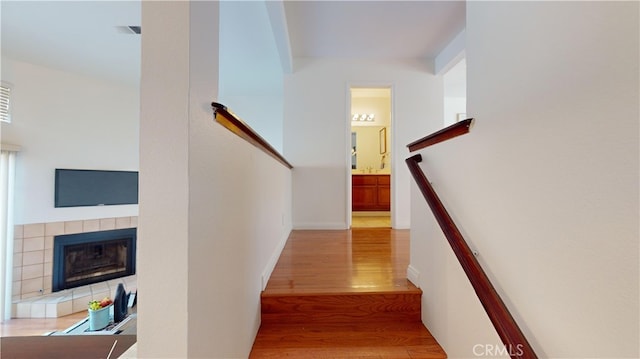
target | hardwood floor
[
  {"x": 343, "y": 294},
  {"x": 359, "y": 260},
  {"x": 371, "y": 221},
  {"x": 36, "y": 326}
]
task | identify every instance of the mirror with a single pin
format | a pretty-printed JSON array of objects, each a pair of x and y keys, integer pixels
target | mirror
[
  {"x": 382, "y": 138},
  {"x": 369, "y": 149},
  {"x": 354, "y": 154}
]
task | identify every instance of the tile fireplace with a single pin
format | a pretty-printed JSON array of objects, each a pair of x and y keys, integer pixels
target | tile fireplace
[{"x": 33, "y": 268}]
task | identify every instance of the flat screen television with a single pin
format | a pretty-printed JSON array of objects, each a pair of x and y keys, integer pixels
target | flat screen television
[{"x": 76, "y": 188}]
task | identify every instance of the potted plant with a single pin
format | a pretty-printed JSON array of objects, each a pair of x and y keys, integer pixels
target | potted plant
[{"x": 99, "y": 313}]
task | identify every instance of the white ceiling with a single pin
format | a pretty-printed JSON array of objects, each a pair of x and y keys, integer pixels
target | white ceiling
[
  {"x": 87, "y": 37},
  {"x": 84, "y": 37},
  {"x": 378, "y": 29}
]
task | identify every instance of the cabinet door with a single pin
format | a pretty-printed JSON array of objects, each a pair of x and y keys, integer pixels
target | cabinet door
[
  {"x": 363, "y": 198},
  {"x": 384, "y": 198}
]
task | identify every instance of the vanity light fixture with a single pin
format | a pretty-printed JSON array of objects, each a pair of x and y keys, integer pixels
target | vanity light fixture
[{"x": 363, "y": 117}]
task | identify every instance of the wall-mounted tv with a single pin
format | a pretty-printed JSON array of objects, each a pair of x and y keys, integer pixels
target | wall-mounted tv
[{"x": 76, "y": 188}]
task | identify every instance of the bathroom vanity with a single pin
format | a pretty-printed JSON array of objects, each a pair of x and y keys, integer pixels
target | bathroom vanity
[{"x": 371, "y": 192}]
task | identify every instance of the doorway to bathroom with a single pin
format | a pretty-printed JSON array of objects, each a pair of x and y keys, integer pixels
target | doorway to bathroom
[{"x": 370, "y": 151}]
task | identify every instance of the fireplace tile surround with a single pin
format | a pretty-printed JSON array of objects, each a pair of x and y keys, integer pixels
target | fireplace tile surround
[{"x": 33, "y": 266}]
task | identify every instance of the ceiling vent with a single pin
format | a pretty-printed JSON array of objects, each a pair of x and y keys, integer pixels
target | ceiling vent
[
  {"x": 129, "y": 30},
  {"x": 135, "y": 29}
]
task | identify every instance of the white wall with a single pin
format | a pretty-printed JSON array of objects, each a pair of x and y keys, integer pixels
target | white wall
[
  {"x": 545, "y": 186},
  {"x": 64, "y": 120},
  {"x": 264, "y": 113},
  {"x": 317, "y": 131},
  {"x": 455, "y": 91},
  {"x": 452, "y": 107},
  {"x": 215, "y": 212},
  {"x": 250, "y": 70}
]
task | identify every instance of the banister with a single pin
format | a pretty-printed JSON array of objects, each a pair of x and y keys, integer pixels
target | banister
[
  {"x": 506, "y": 327},
  {"x": 234, "y": 124},
  {"x": 455, "y": 130}
]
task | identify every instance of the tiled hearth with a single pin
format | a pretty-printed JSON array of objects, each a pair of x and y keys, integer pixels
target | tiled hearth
[
  {"x": 69, "y": 301},
  {"x": 33, "y": 265}
]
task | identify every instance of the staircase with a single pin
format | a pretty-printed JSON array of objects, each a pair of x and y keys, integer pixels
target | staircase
[{"x": 343, "y": 294}]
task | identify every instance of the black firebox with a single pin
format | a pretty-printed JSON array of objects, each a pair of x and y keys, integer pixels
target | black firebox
[{"x": 92, "y": 257}]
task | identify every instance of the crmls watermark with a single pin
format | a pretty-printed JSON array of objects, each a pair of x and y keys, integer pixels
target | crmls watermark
[{"x": 494, "y": 350}]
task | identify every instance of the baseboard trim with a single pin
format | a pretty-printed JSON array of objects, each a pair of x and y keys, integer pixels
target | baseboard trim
[
  {"x": 271, "y": 265},
  {"x": 413, "y": 275}
]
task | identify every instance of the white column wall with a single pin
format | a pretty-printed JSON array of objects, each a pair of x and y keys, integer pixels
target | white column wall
[
  {"x": 545, "y": 186},
  {"x": 317, "y": 131},
  {"x": 163, "y": 221},
  {"x": 215, "y": 211}
]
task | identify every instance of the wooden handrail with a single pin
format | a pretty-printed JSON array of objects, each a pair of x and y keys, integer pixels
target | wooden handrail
[
  {"x": 506, "y": 327},
  {"x": 234, "y": 124},
  {"x": 455, "y": 130}
]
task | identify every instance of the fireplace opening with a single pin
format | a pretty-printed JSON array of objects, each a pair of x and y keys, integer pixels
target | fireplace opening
[{"x": 86, "y": 258}]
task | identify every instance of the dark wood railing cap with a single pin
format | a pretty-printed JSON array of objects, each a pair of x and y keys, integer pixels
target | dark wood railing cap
[
  {"x": 415, "y": 158},
  {"x": 234, "y": 124},
  {"x": 218, "y": 106},
  {"x": 455, "y": 130}
]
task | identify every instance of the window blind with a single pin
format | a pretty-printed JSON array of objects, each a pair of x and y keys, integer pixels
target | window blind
[{"x": 5, "y": 93}]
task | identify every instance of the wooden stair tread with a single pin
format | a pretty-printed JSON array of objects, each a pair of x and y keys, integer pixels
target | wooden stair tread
[{"x": 397, "y": 340}]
